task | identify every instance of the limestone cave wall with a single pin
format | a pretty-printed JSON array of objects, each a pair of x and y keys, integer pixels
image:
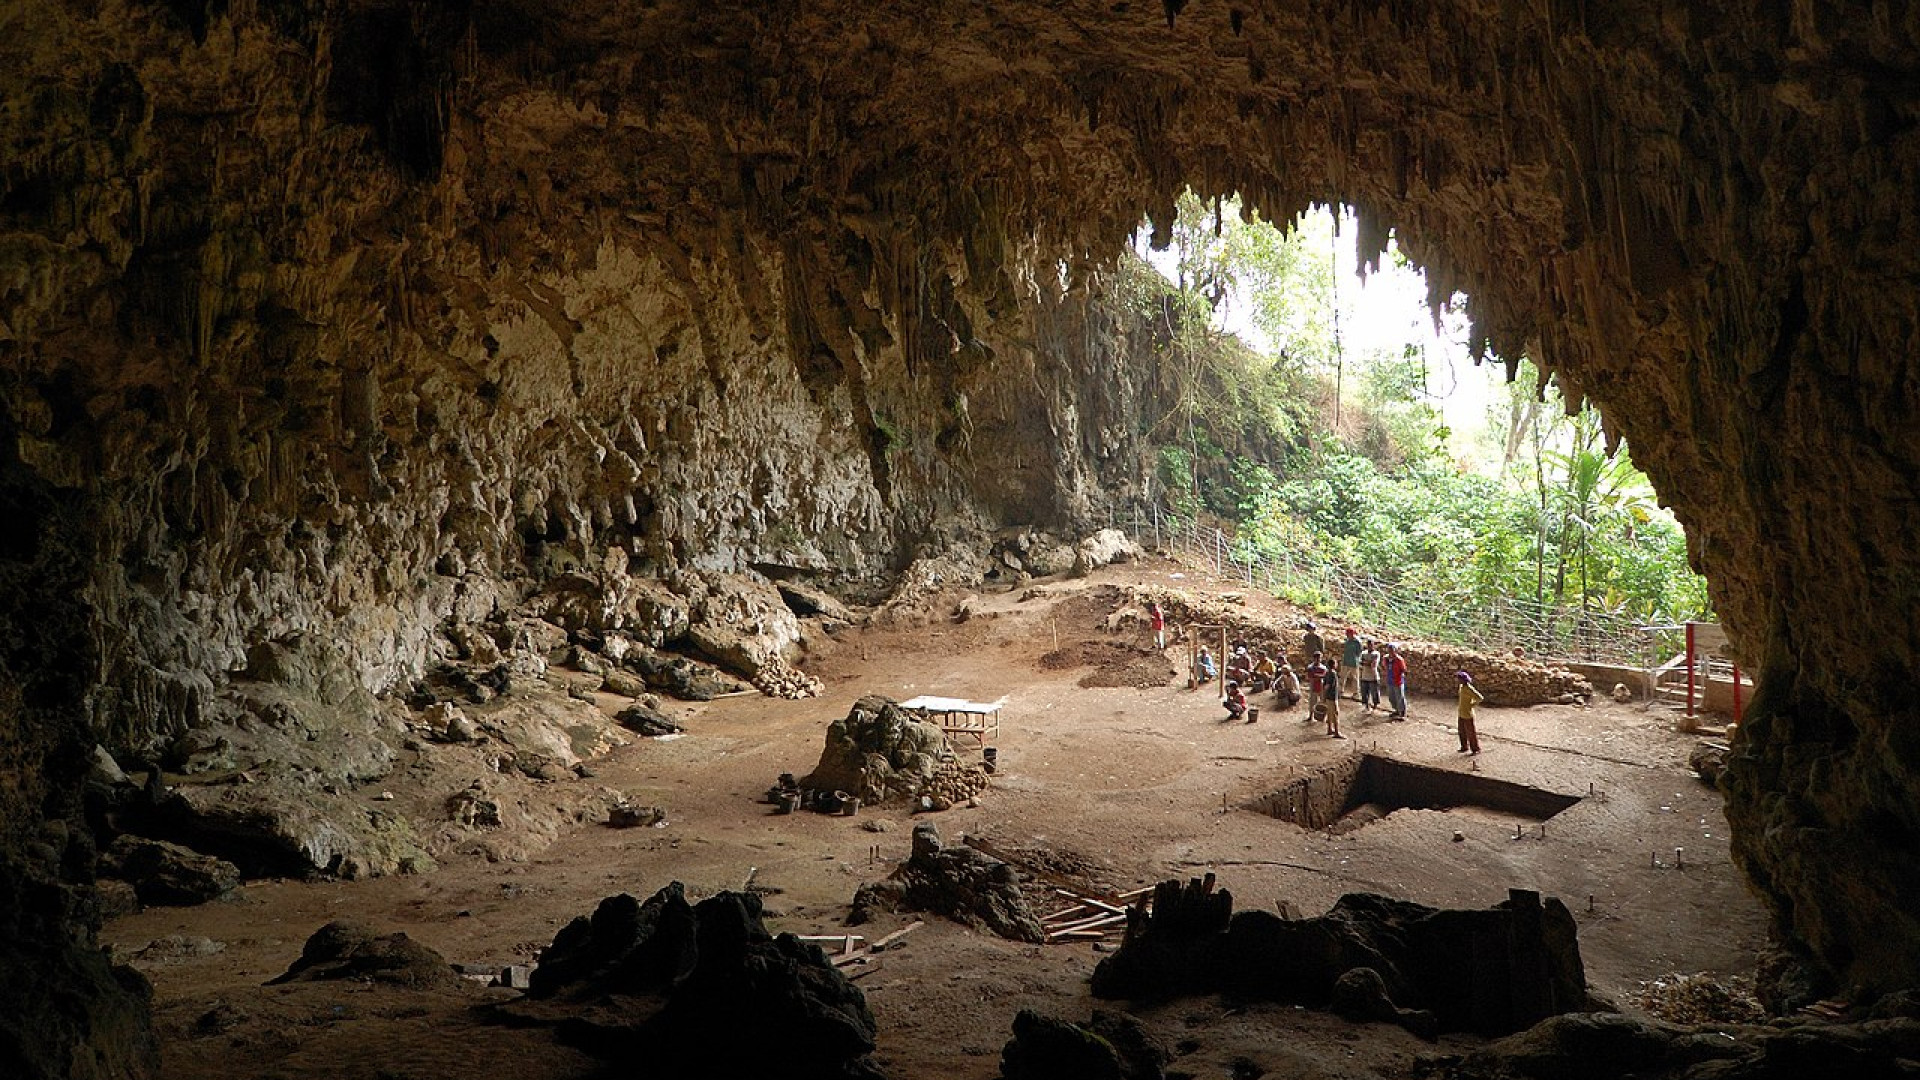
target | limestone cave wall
[{"x": 336, "y": 316}]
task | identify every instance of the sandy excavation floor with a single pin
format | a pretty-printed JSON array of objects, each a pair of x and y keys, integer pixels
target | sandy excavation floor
[{"x": 1121, "y": 785}]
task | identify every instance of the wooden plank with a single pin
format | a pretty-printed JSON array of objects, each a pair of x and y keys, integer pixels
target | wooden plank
[
  {"x": 896, "y": 935},
  {"x": 1102, "y": 919},
  {"x": 1080, "y": 935},
  {"x": 846, "y": 940},
  {"x": 1111, "y": 909},
  {"x": 1077, "y": 911}
]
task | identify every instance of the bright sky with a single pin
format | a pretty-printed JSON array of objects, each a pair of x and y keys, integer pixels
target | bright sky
[{"x": 1387, "y": 311}]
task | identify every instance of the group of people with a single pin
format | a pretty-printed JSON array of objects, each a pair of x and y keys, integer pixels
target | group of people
[{"x": 1360, "y": 669}]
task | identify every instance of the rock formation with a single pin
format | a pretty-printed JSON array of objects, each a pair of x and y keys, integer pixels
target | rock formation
[
  {"x": 1110, "y": 1046},
  {"x": 674, "y": 985},
  {"x": 344, "y": 949},
  {"x": 369, "y": 321},
  {"x": 957, "y": 883},
  {"x": 878, "y": 752},
  {"x": 1494, "y": 972}
]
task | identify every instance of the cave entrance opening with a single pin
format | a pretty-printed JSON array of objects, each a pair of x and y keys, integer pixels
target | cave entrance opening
[
  {"x": 1326, "y": 407},
  {"x": 1363, "y": 788}
]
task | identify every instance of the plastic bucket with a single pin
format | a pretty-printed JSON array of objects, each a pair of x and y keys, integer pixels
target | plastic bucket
[{"x": 991, "y": 756}]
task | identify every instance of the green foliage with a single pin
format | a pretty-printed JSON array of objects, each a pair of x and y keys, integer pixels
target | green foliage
[{"x": 1340, "y": 460}]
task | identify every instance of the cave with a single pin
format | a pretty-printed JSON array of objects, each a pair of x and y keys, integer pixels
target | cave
[
  {"x": 330, "y": 330},
  {"x": 1365, "y": 787}
]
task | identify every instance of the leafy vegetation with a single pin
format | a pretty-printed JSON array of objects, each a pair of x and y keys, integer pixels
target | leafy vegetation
[{"x": 1319, "y": 455}]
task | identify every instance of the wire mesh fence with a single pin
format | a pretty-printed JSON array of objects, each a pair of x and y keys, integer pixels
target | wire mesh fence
[{"x": 1501, "y": 624}]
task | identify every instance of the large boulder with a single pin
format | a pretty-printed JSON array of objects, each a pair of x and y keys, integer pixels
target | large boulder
[
  {"x": 958, "y": 883},
  {"x": 1110, "y": 1046},
  {"x": 1492, "y": 971},
  {"x": 344, "y": 949},
  {"x": 739, "y": 621},
  {"x": 877, "y": 752},
  {"x": 289, "y": 825},
  {"x": 164, "y": 874},
  {"x": 1100, "y": 549},
  {"x": 676, "y": 985},
  {"x": 674, "y": 675}
]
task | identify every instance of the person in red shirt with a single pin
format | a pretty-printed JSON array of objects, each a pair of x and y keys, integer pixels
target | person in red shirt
[
  {"x": 1319, "y": 684},
  {"x": 1236, "y": 702},
  {"x": 1396, "y": 673},
  {"x": 1159, "y": 618}
]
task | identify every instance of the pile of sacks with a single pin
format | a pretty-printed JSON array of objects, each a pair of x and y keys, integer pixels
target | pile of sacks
[
  {"x": 952, "y": 783},
  {"x": 777, "y": 678}
]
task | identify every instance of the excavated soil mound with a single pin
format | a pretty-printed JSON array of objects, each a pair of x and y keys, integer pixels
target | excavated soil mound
[{"x": 1114, "y": 663}]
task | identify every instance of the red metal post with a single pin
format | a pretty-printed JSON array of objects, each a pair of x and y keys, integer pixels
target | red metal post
[{"x": 1689, "y": 671}]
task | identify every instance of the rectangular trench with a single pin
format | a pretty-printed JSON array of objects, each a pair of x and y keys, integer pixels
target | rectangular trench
[{"x": 1322, "y": 798}]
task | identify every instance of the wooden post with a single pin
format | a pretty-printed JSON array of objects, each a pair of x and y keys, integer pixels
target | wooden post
[
  {"x": 1736, "y": 695},
  {"x": 1689, "y": 671}
]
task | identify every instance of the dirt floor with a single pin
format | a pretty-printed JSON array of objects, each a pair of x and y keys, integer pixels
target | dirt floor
[{"x": 1108, "y": 765}]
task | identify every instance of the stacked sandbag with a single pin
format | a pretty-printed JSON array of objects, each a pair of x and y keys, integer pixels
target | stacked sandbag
[
  {"x": 1503, "y": 680},
  {"x": 777, "y": 678},
  {"x": 953, "y": 783}
]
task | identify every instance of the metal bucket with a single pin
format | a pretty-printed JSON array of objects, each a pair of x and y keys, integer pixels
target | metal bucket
[{"x": 991, "y": 758}]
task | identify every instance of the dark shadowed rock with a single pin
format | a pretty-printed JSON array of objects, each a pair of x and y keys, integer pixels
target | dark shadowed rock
[
  {"x": 677, "y": 986},
  {"x": 1360, "y": 995},
  {"x": 168, "y": 874},
  {"x": 1110, "y": 1046},
  {"x": 959, "y": 883},
  {"x": 625, "y": 947},
  {"x": 641, "y": 719},
  {"x": 66, "y": 1012},
  {"x": 1493, "y": 971},
  {"x": 344, "y": 949},
  {"x": 1603, "y": 1046}
]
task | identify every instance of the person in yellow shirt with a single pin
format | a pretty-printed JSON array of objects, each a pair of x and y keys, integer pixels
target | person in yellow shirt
[
  {"x": 1469, "y": 697},
  {"x": 1264, "y": 670}
]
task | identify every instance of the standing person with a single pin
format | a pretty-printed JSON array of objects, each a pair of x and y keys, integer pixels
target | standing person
[
  {"x": 1396, "y": 683},
  {"x": 1332, "y": 703},
  {"x": 1469, "y": 697},
  {"x": 1159, "y": 618},
  {"x": 1370, "y": 677},
  {"x": 1350, "y": 665},
  {"x": 1310, "y": 642},
  {"x": 1319, "y": 682}
]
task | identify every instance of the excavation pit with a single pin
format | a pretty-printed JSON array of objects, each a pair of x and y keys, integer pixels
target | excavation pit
[{"x": 1366, "y": 787}]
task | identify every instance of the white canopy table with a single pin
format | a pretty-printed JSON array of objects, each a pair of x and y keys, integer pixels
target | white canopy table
[{"x": 978, "y": 720}]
